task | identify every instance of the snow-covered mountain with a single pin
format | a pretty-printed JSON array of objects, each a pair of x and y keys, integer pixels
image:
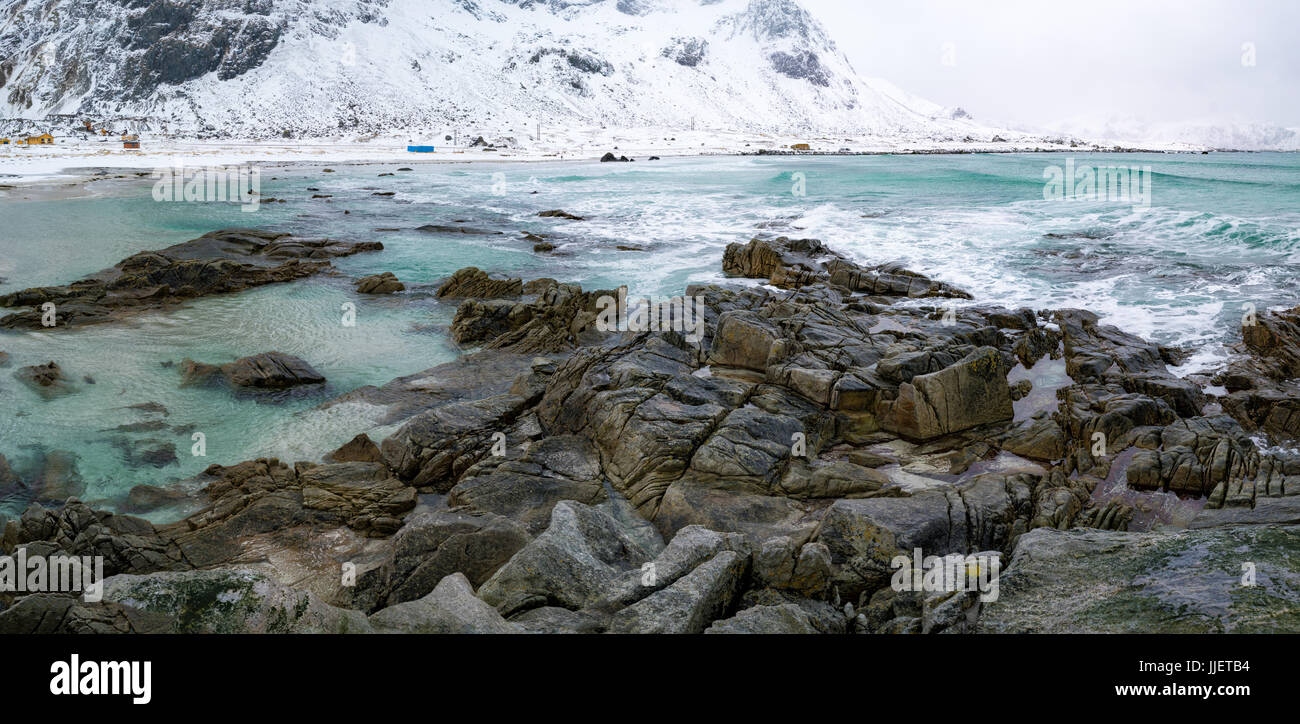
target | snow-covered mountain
[
  {"x": 258, "y": 68},
  {"x": 1207, "y": 133}
]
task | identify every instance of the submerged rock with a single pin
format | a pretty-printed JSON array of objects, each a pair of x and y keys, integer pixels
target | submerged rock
[
  {"x": 220, "y": 262},
  {"x": 559, "y": 214},
  {"x": 47, "y": 379},
  {"x": 268, "y": 371}
]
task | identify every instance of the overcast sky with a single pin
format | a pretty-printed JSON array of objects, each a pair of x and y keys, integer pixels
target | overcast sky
[{"x": 1047, "y": 62}]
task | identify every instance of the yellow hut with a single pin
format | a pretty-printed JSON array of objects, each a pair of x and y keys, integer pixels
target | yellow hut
[{"x": 41, "y": 140}]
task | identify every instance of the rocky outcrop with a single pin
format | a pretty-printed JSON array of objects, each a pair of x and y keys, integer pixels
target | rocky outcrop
[
  {"x": 450, "y": 608},
  {"x": 559, "y": 214},
  {"x": 572, "y": 564},
  {"x": 385, "y": 283},
  {"x": 474, "y": 282},
  {"x": 1263, "y": 393},
  {"x": 794, "y": 263},
  {"x": 759, "y": 472},
  {"x": 432, "y": 546},
  {"x": 360, "y": 449},
  {"x": 220, "y": 262},
  {"x": 559, "y": 318},
  {"x": 969, "y": 393},
  {"x": 230, "y": 601},
  {"x": 266, "y": 371}
]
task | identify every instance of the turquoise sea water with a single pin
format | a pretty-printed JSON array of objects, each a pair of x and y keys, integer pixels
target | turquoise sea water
[{"x": 1222, "y": 230}]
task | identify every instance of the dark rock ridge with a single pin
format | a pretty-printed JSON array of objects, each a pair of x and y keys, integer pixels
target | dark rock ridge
[
  {"x": 1264, "y": 383},
  {"x": 760, "y": 476},
  {"x": 219, "y": 262},
  {"x": 385, "y": 283},
  {"x": 794, "y": 263},
  {"x": 267, "y": 371}
]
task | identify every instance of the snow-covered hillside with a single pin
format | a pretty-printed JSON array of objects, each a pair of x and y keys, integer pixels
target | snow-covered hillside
[
  {"x": 1209, "y": 134},
  {"x": 263, "y": 68}
]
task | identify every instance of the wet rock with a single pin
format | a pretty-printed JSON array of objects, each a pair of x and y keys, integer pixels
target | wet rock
[
  {"x": 972, "y": 392},
  {"x": 57, "y": 477},
  {"x": 445, "y": 229},
  {"x": 559, "y": 214},
  {"x": 160, "y": 456},
  {"x": 1039, "y": 438},
  {"x": 271, "y": 370},
  {"x": 385, "y": 283},
  {"x": 437, "y": 446},
  {"x": 145, "y": 498},
  {"x": 484, "y": 320},
  {"x": 473, "y": 282},
  {"x": 981, "y": 514},
  {"x": 220, "y": 262},
  {"x": 794, "y": 263},
  {"x": 127, "y": 544},
  {"x": 1275, "y": 339},
  {"x": 47, "y": 379},
  {"x": 266, "y": 371}
]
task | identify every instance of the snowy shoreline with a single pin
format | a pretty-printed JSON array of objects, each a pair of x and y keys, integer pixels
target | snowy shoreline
[{"x": 73, "y": 160}]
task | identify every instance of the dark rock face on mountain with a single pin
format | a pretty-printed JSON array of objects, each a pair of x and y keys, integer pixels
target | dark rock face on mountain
[
  {"x": 760, "y": 471},
  {"x": 220, "y": 262},
  {"x": 803, "y": 66},
  {"x": 689, "y": 52},
  {"x": 142, "y": 46},
  {"x": 292, "y": 69}
]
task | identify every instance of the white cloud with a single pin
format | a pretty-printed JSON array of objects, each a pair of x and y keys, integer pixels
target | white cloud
[{"x": 1056, "y": 64}]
